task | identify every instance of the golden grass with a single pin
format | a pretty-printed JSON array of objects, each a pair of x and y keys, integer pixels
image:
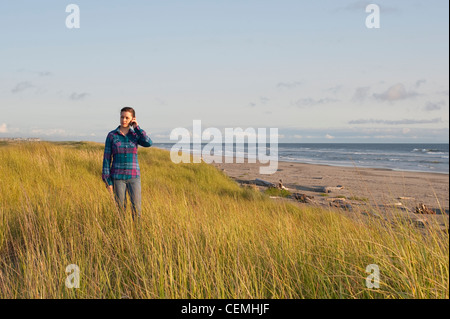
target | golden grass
[{"x": 200, "y": 236}]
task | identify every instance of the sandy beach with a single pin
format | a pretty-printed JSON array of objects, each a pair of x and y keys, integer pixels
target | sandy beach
[{"x": 355, "y": 189}]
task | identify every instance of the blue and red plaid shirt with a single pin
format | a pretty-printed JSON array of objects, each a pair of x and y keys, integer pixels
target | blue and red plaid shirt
[{"x": 122, "y": 149}]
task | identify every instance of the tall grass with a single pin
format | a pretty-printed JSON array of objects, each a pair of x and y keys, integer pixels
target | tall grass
[{"x": 200, "y": 236}]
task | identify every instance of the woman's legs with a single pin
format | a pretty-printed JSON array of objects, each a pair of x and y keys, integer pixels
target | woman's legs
[
  {"x": 119, "y": 187},
  {"x": 133, "y": 187}
]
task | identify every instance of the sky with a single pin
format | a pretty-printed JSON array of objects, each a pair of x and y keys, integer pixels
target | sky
[{"x": 312, "y": 69}]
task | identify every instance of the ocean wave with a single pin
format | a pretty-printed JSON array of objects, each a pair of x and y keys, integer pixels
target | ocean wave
[
  {"x": 431, "y": 162},
  {"x": 427, "y": 150}
]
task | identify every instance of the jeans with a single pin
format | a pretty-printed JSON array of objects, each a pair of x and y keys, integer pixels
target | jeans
[{"x": 133, "y": 187}]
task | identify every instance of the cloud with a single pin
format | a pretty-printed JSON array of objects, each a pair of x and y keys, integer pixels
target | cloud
[
  {"x": 335, "y": 89},
  {"x": 3, "y": 128},
  {"x": 264, "y": 100},
  {"x": 49, "y": 132},
  {"x": 430, "y": 106},
  {"x": 22, "y": 86},
  {"x": 312, "y": 102},
  {"x": 361, "y": 94},
  {"x": 76, "y": 97},
  {"x": 289, "y": 85},
  {"x": 39, "y": 73},
  {"x": 399, "y": 122},
  {"x": 44, "y": 73},
  {"x": 365, "y": 133},
  {"x": 420, "y": 82},
  {"x": 394, "y": 93}
]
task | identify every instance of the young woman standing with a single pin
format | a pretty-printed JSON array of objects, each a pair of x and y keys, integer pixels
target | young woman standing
[{"x": 122, "y": 175}]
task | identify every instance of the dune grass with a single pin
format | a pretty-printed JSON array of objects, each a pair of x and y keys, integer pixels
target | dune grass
[{"x": 200, "y": 236}]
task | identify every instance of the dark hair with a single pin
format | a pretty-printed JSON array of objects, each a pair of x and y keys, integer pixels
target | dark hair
[{"x": 128, "y": 109}]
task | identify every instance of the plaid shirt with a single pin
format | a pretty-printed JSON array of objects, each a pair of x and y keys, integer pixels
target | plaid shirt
[{"x": 123, "y": 151}]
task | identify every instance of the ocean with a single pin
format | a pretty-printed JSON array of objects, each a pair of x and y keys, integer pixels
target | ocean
[{"x": 400, "y": 157}]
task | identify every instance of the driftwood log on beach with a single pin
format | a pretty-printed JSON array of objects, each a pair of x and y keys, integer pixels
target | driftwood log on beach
[
  {"x": 302, "y": 198},
  {"x": 422, "y": 209},
  {"x": 261, "y": 182}
]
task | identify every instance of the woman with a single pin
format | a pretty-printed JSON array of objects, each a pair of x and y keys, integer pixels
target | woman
[{"x": 123, "y": 175}]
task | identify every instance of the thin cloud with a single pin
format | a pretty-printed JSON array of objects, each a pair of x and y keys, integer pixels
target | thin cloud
[
  {"x": 22, "y": 86},
  {"x": 264, "y": 100},
  {"x": 430, "y": 106},
  {"x": 44, "y": 73},
  {"x": 39, "y": 73},
  {"x": 361, "y": 94},
  {"x": 289, "y": 85},
  {"x": 394, "y": 93},
  {"x": 312, "y": 102},
  {"x": 49, "y": 131},
  {"x": 76, "y": 97},
  {"x": 399, "y": 122},
  {"x": 420, "y": 82},
  {"x": 335, "y": 89}
]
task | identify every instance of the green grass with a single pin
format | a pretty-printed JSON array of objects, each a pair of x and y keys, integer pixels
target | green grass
[
  {"x": 272, "y": 191},
  {"x": 201, "y": 236},
  {"x": 361, "y": 199}
]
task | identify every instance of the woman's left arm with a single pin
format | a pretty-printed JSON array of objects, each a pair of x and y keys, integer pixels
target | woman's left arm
[{"x": 143, "y": 138}]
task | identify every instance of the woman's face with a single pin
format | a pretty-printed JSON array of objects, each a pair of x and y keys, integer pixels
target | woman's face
[{"x": 125, "y": 118}]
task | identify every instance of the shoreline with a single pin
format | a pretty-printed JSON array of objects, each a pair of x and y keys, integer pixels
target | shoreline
[
  {"x": 324, "y": 164},
  {"x": 355, "y": 188},
  {"x": 366, "y": 167}
]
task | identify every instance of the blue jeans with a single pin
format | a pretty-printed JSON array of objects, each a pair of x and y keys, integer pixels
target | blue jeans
[{"x": 133, "y": 187}]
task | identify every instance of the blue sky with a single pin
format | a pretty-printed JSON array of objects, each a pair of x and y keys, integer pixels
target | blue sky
[{"x": 312, "y": 69}]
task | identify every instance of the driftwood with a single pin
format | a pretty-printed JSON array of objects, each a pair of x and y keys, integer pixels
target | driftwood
[
  {"x": 341, "y": 203},
  {"x": 422, "y": 209},
  {"x": 329, "y": 189},
  {"x": 261, "y": 182},
  {"x": 302, "y": 198}
]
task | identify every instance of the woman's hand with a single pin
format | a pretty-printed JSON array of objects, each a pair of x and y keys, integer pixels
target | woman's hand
[
  {"x": 134, "y": 123},
  {"x": 110, "y": 188}
]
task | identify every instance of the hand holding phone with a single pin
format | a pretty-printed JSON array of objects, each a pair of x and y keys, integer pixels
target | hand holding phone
[{"x": 133, "y": 123}]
